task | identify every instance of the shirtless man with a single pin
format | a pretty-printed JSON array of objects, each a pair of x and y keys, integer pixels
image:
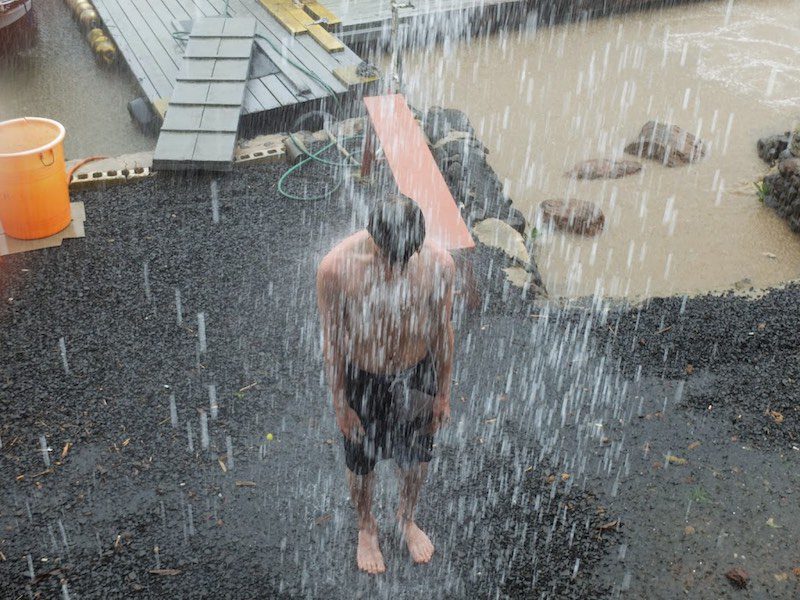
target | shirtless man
[{"x": 385, "y": 301}]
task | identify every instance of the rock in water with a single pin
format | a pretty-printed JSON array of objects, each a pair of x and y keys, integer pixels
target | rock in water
[
  {"x": 604, "y": 168},
  {"x": 770, "y": 148},
  {"x": 575, "y": 216},
  {"x": 670, "y": 144}
]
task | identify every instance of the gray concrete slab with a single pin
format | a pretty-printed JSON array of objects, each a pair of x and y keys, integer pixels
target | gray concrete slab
[
  {"x": 174, "y": 145},
  {"x": 202, "y": 47},
  {"x": 239, "y": 27},
  {"x": 235, "y": 48},
  {"x": 218, "y": 118},
  {"x": 182, "y": 118},
  {"x": 233, "y": 69},
  {"x": 223, "y": 92},
  {"x": 197, "y": 70},
  {"x": 190, "y": 92}
]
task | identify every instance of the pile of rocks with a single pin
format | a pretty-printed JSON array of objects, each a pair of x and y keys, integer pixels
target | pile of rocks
[
  {"x": 498, "y": 228},
  {"x": 462, "y": 159},
  {"x": 780, "y": 189}
]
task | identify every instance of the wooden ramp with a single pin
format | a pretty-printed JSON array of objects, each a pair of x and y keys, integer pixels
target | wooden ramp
[
  {"x": 415, "y": 170},
  {"x": 202, "y": 120}
]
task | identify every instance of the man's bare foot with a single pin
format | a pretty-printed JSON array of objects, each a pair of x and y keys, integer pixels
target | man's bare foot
[
  {"x": 369, "y": 555},
  {"x": 419, "y": 544}
]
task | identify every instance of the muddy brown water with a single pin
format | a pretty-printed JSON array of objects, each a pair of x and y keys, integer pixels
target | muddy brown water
[
  {"x": 50, "y": 72},
  {"x": 545, "y": 99}
]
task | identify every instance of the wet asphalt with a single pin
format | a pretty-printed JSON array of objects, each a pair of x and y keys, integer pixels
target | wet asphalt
[{"x": 551, "y": 482}]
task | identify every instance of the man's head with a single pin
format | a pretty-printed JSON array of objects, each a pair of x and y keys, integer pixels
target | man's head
[{"x": 397, "y": 227}]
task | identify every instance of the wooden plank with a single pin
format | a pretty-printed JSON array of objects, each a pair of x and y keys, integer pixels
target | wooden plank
[
  {"x": 416, "y": 172},
  {"x": 284, "y": 17},
  {"x": 303, "y": 49},
  {"x": 145, "y": 21},
  {"x": 278, "y": 89},
  {"x": 327, "y": 40},
  {"x": 129, "y": 56},
  {"x": 111, "y": 9},
  {"x": 262, "y": 94},
  {"x": 318, "y": 11}
]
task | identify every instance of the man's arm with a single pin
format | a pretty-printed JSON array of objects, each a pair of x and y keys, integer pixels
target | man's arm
[
  {"x": 334, "y": 352},
  {"x": 443, "y": 337}
]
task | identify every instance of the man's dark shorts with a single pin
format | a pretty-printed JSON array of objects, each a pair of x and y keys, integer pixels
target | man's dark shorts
[{"x": 396, "y": 412}]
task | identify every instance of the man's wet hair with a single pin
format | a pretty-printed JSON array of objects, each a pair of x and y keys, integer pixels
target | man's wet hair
[{"x": 397, "y": 227}]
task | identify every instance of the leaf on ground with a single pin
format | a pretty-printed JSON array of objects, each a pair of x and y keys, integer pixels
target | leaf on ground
[
  {"x": 781, "y": 576},
  {"x": 675, "y": 460},
  {"x": 688, "y": 530},
  {"x": 689, "y": 369},
  {"x": 738, "y": 577},
  {"x": 165, "y": 572},
  {"x": 776, "y": 416},
  {"x": 222, "y": 465},
  {"x": 771, "y": 523},
  {"x": 694, "y": 445},
  {"x": 796, "y": 572},
  {"x": 245, "y": 483},
  {"x": 565, "y": 476},
  {"x": 610, "y": 525}
]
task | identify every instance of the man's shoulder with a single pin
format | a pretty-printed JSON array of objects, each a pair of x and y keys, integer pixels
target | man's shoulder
[
  {"x": 439, "y": 257},
  {"x": 334, "y": 261}
]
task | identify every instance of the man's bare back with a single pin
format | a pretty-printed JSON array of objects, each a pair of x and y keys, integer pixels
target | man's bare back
[{"x": 385, "y": 301}]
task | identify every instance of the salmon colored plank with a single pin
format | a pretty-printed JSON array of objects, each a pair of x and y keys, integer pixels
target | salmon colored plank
[{"x": 415, "y": 170}]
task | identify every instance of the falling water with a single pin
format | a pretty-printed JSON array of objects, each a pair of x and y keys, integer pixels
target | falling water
[
  {"x": 173, "y": 411},
  {"x": 212, "y": 401},
  {"x": 62, "y": 345},
  {"x": 204, "y": 442},
  {"x": 214, "y": 201},
  {"x": 201, "y": 331},
  {"x": 178, "y": 308},
  {"x": 45, "y": 450}
]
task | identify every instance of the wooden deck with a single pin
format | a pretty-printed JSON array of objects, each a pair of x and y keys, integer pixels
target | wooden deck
[
  {"x": 363, "y": 18},
  {"x": 144, "y": 31}
]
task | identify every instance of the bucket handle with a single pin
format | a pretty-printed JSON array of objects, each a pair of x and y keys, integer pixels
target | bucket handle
[{"x": 52, "y": 157}]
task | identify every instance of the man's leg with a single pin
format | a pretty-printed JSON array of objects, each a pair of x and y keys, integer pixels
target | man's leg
[
  {"x": 419, "y": 544},
  {"x": 368, "y": 555}
]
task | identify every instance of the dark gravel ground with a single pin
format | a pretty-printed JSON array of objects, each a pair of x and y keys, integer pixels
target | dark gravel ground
[
  {"x": 751, "y": 349},
  {"x": 561, "y": 424},
  {"x": 129, "y": 496}
]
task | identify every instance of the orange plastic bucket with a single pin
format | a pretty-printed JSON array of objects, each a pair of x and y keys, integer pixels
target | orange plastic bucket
[{"x": 34, "y": 192}]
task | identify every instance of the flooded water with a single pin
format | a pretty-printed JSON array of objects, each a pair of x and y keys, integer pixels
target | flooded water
[
  {"x": 56, "y": 77},
  {"x": 544, "y": 99}
]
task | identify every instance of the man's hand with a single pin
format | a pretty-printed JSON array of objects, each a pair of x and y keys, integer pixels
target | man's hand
[
  {"x": 350, "y": 424},
  {"x": 441, "y": 413}
]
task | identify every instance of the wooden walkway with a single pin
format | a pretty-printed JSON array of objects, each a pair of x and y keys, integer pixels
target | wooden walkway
[
  {"x": 362, "y": 18},
  {"x": 145, "y": 32}
]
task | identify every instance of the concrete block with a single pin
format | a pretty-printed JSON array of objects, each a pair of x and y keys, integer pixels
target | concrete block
[
  {"x": 202, "y": 48},
  {"x": 235, "y": 48},
  {"x": 182, "y": 118},
  {"x": 239, "y": 27},
  {"x": 208, "y": 26},
  {"x": 174, "y": 145},
  {"x": 214, "y": 148},
  {"x": 190, "y": 92},
  {"x": 219, "y": 118},
  {"x": 231, "y": 69},
  {"x": 197, "y": 69},
  {"x": 225, "y": 93}
]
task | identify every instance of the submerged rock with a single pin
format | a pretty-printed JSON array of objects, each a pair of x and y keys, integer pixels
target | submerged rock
[
  {"x": 604, "y": 168},
  {"x": 575, "y": 216},
  {"x": 670, "y": 144}
]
